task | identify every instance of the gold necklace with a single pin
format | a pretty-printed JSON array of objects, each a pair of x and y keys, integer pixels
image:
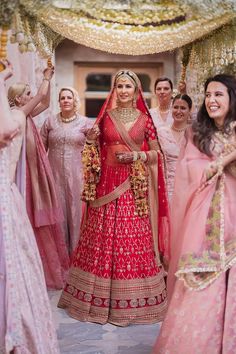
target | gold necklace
[
  {"x": 179, "y": 130},
  {"x": 68, "y": 120},
  {"x": 126, "y": 115}
]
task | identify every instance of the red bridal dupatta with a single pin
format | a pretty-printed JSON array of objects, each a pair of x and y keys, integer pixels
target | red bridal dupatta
[
  {"x": 157, "y": 197},
  {"x": 203, "y": 228}
]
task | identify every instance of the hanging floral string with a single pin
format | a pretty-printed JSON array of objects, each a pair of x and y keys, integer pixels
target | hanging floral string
[
  {"x": 139, "y": 186},
  {"x": 186, "y": 52},
  {"x": 92, "y": 170},
  {"x": 213, "y": 54},
  {"x": 7, "y": 9}
]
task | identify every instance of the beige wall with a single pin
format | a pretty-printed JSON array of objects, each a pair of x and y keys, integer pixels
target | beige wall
[{"x": 74, "y": 62}]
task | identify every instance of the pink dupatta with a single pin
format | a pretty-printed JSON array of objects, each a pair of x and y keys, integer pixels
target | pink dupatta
[
  {"x": 203, "y": 231},
  {"x": 46, "y": 208}
]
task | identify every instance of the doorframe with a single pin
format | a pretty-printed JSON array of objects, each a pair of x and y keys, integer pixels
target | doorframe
[{"x": 83, "y": 69}]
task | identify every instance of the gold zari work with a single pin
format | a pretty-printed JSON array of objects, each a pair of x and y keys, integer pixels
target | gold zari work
[
  {"x": 96, "y": 300},
  {"x": 126, "y": 115}
]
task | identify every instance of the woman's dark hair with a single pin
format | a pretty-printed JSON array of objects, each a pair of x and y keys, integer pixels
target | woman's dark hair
[
  {"x": 204, "y": 127},
  {"x": 160, "y": 79},
  {"x": 184, "y": 97}
]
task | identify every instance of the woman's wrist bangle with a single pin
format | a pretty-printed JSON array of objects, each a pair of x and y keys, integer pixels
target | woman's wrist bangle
[
  {"x": 142, "y": 156},
  {"x": 90, "y": 142},
  {"x": 135, "y": 155}
]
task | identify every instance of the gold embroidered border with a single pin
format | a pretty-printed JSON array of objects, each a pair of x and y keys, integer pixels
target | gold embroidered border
[
  {"x": 83, "y": 311},
  {"x": 121, "y": 289},
  {"x": 122, "y": 188}
]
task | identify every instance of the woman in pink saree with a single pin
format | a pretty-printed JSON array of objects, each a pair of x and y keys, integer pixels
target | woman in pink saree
[
  {"x": 42, "y": 201},
  {"x": 202, "y": 275},
  {"x": 116, "y": 275},
  {"x": 26, "y": 325}
]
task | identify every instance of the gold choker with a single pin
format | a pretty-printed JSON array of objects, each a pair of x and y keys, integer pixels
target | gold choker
[
  {"x": 179, "y": 130},
  {"x": 68, "y": 120},
  {"x": 126, "y": 115}
]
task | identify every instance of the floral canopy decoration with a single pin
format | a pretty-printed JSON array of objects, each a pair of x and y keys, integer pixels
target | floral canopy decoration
[{"x": 133, "y": 27}]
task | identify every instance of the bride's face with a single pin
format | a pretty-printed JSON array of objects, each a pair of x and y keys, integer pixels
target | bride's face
[{"x": 125, "y": 91}]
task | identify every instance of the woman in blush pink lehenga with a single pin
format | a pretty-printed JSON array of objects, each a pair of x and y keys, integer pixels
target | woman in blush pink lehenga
[
  {"x": 25, "y": 316},
  {"x": 64, "y": 135},
  {"x": 42, "y": 200},
  {"x": 171, "y": 137},
  {"x": 202, "y": 274}
]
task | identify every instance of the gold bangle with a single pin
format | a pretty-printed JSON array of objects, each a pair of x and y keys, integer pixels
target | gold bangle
[
  {"x": 90, "y": 141},
  {"x": 142, "y": 156},
  {"x": 135, "y": 155}
]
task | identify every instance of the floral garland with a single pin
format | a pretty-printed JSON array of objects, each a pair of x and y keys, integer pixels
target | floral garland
[
  {"x": 92, "y": 170},
  {"x": 139, "y": 186},
  {"x": 81, "y": 23},
  {"x": 213, "y": 54},
  {"x": 155, "y": 14},
  {"x": 132, "y": 27},
  {"x": 7, "y": 10}
]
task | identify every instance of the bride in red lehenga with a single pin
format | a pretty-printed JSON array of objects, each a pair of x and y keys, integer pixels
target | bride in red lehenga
[{"x": 116, "y": 275}]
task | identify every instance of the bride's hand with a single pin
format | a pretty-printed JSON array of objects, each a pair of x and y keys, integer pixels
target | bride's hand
[
  {"x": 125, "y": 157},
  {"x": 93, "y": 133}
]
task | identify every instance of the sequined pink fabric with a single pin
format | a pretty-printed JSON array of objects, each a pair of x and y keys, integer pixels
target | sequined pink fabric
[
  {"x": 202, "y": 273},
  {"x": 64, "y": 142},
  {"x": 199, "y": 322},
  {"x": 25, "y": 315}
]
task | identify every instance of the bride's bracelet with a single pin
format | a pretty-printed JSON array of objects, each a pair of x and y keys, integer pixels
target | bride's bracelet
[
  {"x": 90, "y": 141},
  {"x": 142, "y": 156},
  {"x": 139, "y": 155},
  {"x": 135, "y": 155}
]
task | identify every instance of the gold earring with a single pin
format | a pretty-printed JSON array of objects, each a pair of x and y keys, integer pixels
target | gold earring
[{"x": 117, "y": 102}]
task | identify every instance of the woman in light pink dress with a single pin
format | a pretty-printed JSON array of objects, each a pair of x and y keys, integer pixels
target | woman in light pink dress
[
  {"x": 64, "y": 136},
  {"x": 162, "y": 114},
  {"x": 25, "y": 316},
  {"x": 163, "y": 89},
  {"x": 202, "y": 274},
  {"x": 43, "y": 205},
  {"x": 171, "y": 137}
]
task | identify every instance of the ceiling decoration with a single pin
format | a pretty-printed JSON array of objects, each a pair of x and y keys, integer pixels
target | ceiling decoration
[{"x": 203, "y": 29}]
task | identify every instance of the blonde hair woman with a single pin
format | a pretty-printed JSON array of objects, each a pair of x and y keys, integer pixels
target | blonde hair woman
[
  {"x": 26, "y": 324},
  {"x": 43, "y": 205},
  {"x": 64, "y": 135}
]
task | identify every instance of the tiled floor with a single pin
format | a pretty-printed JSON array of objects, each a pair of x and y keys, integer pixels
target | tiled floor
[{"x": 88, "y": 338}]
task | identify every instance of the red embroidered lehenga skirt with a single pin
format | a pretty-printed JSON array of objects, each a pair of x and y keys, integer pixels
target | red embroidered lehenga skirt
[{"x": 114, "y": 276}]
